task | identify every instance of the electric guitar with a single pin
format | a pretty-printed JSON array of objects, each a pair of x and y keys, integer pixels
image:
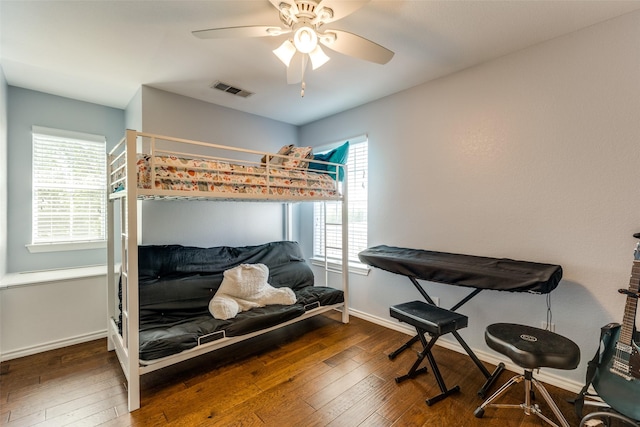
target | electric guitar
[{"x": 617, "y": 378}]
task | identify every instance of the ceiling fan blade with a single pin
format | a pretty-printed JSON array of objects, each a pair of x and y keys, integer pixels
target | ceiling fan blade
[
  {"x": 340, "y": 8},
  {"x": 240, "y": 32},
  {"x": 295, "y": 69},
  {"x": 356, "y": 46}
]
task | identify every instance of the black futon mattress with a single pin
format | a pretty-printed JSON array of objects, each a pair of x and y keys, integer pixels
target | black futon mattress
[{"x": 177, "y": 282}]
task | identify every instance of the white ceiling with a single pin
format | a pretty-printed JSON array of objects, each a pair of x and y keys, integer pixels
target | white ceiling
[{"x": 103, "y": 51}]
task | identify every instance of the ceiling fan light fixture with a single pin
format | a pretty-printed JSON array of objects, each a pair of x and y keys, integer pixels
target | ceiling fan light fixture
[
  {"x": 285, "y": 52},
  {"x": 305, "y": 39},
  {"x": 318, "y": 58}
]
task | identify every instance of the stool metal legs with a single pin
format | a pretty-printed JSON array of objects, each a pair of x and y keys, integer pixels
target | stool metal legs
[
  {"x": 413, "y": 371},
  {"x": 426, "y": 352},
  {"x": 528, "y": 407}
]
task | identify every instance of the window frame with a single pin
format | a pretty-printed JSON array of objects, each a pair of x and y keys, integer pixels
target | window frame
[
  {"x": 335, "y": 264},
  {"x": 67, "y": 245}
]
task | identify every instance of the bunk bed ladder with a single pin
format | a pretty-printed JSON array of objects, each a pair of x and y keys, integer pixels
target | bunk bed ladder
[{"x": 126, "y": 343}]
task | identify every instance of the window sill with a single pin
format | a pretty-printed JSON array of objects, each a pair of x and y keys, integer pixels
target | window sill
[
  {"x": 29, "y": 278},
  {"x": 60, "y": 247},
  {"x": 336, "y": 266}
]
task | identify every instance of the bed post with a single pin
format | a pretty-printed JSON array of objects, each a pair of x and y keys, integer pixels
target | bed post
[
  {"x": 130, "y": 265},
  {"x": 288, "y": 221},
  {"x": 345, "y": 245}
]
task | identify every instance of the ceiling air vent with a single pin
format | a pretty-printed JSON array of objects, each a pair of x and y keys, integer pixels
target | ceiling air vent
[{"x": 232, "y": 90}]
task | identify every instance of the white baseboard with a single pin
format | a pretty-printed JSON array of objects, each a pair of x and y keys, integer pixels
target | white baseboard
[
  {"x": 52, "y": 345},
  {"x": 491, "y": 358}
]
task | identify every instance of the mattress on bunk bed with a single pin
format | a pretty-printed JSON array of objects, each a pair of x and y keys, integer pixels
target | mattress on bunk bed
[
  {"x": 177, "y": 282},
  {"x": 188, "y": 174}
]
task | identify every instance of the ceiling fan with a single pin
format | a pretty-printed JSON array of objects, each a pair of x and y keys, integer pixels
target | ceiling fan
[{"x": 304, "y": 21}]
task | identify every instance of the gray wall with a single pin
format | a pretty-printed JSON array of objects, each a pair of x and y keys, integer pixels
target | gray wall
[
  {"x": 133, "y": 112},
  {"x": 52, "y": 309},
  {"x": 3, "y": 174},
  {"x": 211, "y": 223},
  {"x": 25, "y": 109},
  {"x": 532, "y": 156}
]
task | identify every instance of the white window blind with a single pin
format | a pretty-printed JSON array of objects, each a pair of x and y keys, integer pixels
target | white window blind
[
  {"x": 357, "y": 176},
  {"x": 69, "y": 187}
]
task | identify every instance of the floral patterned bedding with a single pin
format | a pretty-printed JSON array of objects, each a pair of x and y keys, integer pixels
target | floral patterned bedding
[{"x": 214, "y": 176}]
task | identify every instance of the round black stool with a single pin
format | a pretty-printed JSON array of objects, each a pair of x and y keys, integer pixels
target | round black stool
[{"x": 530, "y": 348}]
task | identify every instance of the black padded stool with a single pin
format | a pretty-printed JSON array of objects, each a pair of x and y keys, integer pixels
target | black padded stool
[
  {"x": 435, "y": 321},
  {"x": 530, "y": 348}
]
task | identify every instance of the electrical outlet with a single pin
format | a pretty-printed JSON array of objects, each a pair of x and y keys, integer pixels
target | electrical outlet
[{"x": 552, "y": 327}]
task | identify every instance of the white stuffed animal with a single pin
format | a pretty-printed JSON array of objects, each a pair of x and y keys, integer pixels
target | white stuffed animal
[{"x": 245, "y": 287}]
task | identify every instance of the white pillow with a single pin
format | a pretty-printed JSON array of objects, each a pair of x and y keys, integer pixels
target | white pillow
[{"x": 245, "y": 287}]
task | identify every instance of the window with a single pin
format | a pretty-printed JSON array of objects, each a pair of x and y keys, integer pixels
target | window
[
  {"x": 357, "y": 176},
  {"x": 69, "y": 189}
]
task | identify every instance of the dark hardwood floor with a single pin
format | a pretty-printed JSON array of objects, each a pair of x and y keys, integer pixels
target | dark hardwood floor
[{"x": 318, "y": 372}]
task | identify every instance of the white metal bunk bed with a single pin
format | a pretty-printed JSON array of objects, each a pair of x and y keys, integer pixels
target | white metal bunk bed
[{"x": 126, "y": 185}]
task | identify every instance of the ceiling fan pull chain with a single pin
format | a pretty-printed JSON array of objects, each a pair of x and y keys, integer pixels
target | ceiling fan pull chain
[{"x": 305, "y": 59}]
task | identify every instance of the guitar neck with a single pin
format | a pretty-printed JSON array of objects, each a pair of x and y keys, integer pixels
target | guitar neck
[{"x": 629, "y": 319}]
